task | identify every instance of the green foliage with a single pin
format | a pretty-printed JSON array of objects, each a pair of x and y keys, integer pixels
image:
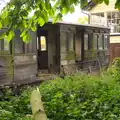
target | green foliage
[
  {"x": 15, "y": 107},
  {"x": 77, "y": 97},
  {"x": 114, "y": 70},
  {"x": 82, "y": 97},
  {"x": 26, "y": 14}
]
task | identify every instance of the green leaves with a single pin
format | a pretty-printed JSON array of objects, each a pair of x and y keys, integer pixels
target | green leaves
[
  {"x": 25, "y": 35},
  {"x": 83, "y": 3},
  {"x": 41, "y": 21},
  {"x": 81, "y": 97},
  {"x": 106, "y": 2},
  {"x": 117, "y": 5},
  {"x": 10, "y": 34},
  {"x": 0, "y": 25}
]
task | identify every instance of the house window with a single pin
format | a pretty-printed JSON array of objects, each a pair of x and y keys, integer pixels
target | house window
[{"x": 113, "y": 21}]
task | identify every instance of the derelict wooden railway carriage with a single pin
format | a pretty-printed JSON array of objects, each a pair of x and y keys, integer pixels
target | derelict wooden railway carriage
[{"x": 52, "y": 46}]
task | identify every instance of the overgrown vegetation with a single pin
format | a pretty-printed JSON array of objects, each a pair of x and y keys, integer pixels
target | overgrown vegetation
[
  {"x": 77, "y": 97},
  {"x": 114, "y": 70},
  {"x": 15, "y": 107}
]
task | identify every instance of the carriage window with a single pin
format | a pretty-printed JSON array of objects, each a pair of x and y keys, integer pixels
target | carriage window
[
  {"x": 18, "y": 46},
  {"x": 6, "y": 45},
  {"x": 64, "y": 44},
  {"x": 43, "y": 44},
  {"x": 90, "y": 42},
  {"x": 95, "y": 41},
  {"x": 105, "y": 42},
  {"x": 0, "y": 45},
  {"x": 70, "y": 41},
  {"x": 31, "y": 46},
  {"x": 100, "y": 42},
  {"x": 85, "y": 41},
  {"x": 18, "y": 43},
  {"x": 28, "y": 47}
]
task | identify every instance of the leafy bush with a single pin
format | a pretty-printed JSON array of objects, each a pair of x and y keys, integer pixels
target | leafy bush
[
  {"x": 82, "y": 97},
  {"x": 77, "y": 97},
  {"x": 15, "y": 107}
]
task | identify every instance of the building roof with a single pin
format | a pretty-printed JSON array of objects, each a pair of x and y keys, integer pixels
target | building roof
[{"x": 77, "y": 24}]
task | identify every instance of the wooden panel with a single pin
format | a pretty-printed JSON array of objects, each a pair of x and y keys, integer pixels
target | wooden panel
[
  {"x": 114, "y": 51},
  {"x": 6, "y": 69},
  {"x": 25, "y": 68}
]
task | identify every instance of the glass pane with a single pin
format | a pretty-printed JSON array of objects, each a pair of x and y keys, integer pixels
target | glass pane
[
  {"x": 1, "y": 45},
  {"x": 105, "y": 41},
  {"x": 90, "y": 42},
  {"x": 31, "y": 46},
  {"x": 71, "y": 42},
  {"x": 113, "y": 15},
  {"x": 108, "y": 15},
  {"x": 43, "y": 45},
  {"x": 85, "y": 41},
  {"x": 95, "y": 41},
  {"x": 18, "y": 43},
  {"x": 100, "y": 42},
  {"x": 37, "y": 43},
  {"x": 28, "y": 47},
  {"x": 118, "y": 14},
  {"x": 63, "y": 41},
  {"x": 6, "y": 45}
]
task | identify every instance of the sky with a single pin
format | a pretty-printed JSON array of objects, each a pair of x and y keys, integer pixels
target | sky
[{"x": 73, "y": 18}]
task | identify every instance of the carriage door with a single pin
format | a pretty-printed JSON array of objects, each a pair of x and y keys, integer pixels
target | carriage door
[{"x": 42, "y": 45}]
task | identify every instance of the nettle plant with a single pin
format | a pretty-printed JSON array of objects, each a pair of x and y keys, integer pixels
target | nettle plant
[{"x": 27, "y": 14}]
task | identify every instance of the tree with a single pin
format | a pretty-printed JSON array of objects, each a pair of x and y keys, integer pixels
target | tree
[
  {"x": 16, "y": 14},
  {"x": 83, "y": 20}
]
